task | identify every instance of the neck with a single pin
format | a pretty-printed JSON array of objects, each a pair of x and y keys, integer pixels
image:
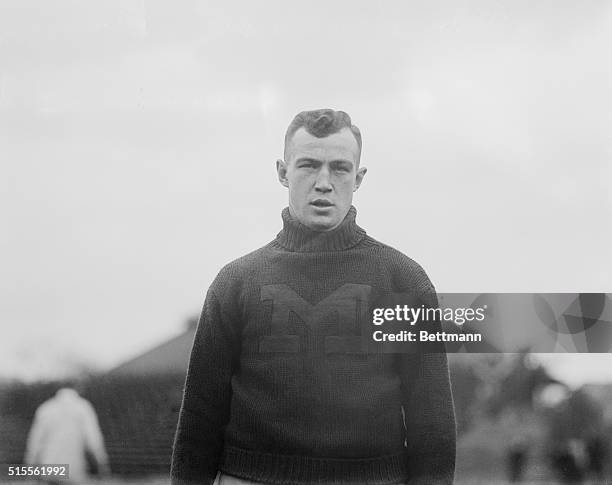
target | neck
[{"x": 297, "y": 237}]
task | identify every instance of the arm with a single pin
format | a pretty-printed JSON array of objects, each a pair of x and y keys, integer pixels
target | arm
[
  {"x": 204, "y": 413},
  {"x": 430, "y": 420},
  {"x": 429, "y": 413},
  {"x": 94, "y": 441},
  {"x": 35, "y": 439}
]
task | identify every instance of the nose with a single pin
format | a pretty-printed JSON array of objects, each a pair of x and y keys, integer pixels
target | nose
[{"x": 323, "y": 183}]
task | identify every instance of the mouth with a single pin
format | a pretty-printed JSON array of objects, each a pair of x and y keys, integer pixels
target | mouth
[{"x": 321, "y": 203}]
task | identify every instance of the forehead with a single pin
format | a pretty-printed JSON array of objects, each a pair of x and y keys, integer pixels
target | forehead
[{"x": 338, "y": 146}]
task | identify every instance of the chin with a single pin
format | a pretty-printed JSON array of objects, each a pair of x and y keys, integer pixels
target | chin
[{"x": 322, "y": 225}]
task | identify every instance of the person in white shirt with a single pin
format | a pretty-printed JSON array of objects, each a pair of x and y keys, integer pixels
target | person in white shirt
[{"x": 64, "y": 430}]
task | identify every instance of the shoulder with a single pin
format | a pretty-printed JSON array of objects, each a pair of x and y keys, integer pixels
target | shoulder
[
  {"x": 242, "y": 267},
  {"x": 45, "y": 409},
  {"x": 407, "y": 274},
  {"x": 233, "y": 276},
  {"x": 87, "y": 411},
  {"x": 86, "y": 406}
]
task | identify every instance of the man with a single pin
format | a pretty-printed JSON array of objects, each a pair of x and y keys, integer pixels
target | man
[
  {"x": 278, "y": 388},
  {"x": 64, "y": 431}
]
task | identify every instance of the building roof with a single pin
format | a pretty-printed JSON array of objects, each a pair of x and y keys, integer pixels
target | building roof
[{"x": 166, "y": 358}]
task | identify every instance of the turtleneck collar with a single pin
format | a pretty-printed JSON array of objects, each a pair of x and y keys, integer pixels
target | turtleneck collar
[{"x": 295, "y": 236}]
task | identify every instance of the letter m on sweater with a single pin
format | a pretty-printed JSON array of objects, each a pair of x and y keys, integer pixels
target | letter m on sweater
[{"x": 350, "y": 303}]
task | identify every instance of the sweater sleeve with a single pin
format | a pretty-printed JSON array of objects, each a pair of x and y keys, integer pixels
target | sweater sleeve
[
  {"x": 428, "y": 413},
  {"x": 205, "y": 408}
]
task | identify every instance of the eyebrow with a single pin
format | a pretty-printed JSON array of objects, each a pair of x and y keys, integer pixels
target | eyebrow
[{"x": 336, "y": 162}]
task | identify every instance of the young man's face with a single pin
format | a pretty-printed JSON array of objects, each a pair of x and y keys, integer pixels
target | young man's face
[{"x": 321, "y": 175}]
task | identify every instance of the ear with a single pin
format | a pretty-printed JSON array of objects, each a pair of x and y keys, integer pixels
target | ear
[
  {"x": 359, "y": 177},
  {"x": 281, "y": 170}
]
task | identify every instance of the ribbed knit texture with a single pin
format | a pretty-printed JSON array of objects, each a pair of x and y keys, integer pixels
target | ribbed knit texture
[
  {"x": 276, "y": 392},
  {"x": 298, "y": 238}
]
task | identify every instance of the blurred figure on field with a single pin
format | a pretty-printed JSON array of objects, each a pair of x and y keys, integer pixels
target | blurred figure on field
[
  {"x": 569, "y": 461},
  {"x": 596, "y": 449},
  {"x": 66, "y": 431},
  {"x": 517, "y": 458}
]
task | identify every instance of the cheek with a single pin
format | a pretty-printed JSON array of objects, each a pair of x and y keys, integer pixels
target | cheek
[
  {"x": 345, "y": 185},
  {"x": 301, "y": 181}
]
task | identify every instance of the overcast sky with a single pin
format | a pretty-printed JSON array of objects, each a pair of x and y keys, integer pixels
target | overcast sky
[{"x": 138, "y": 141}]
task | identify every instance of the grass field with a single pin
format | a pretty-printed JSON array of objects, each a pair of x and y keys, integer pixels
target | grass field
[{"x": 163, "y": 480}]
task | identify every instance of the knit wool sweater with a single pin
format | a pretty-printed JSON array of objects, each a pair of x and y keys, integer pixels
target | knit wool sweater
[{"x": 277, "y": 390}]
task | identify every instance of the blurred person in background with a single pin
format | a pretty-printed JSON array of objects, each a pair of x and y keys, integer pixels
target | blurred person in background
[
  {"x": 65, "y": 430},
  {"x": 517, "y": 455},
  {"x": 597, "y": 452},
  {"x": 569, "y": 460}
]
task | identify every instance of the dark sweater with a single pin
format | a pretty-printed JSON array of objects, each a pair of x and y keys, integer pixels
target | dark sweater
[{"x": 277, "y": 390}]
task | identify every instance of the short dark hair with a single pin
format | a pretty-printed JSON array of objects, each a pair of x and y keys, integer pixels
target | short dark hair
[{"x": 322, "y": 123}]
